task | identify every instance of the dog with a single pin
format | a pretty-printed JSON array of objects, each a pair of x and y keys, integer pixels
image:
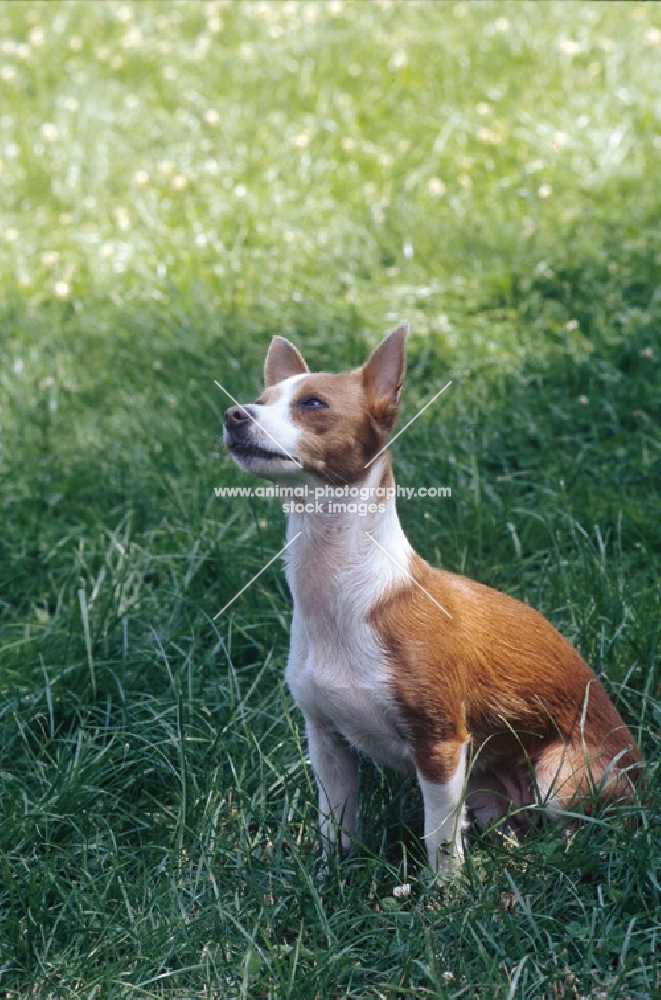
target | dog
[{"x": 425, "y": 671}]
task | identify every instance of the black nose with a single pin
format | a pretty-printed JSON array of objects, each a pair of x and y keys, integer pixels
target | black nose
[{"x": 235, "y": 417}]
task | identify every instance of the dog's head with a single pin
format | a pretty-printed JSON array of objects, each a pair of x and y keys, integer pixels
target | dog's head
[{"x": 323, "y": 425}]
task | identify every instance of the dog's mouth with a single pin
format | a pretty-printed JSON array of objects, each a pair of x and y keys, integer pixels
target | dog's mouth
[{"x": 242, "y": 450}]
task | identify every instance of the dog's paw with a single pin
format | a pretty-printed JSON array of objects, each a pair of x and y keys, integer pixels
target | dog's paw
[{"x": 449, "y": 862}]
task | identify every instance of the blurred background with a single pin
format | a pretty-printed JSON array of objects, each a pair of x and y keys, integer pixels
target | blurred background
[{"x": 292, "y": 165}]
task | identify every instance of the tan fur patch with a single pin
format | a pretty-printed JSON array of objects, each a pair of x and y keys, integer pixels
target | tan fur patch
[{"x": 498, "y": 673}]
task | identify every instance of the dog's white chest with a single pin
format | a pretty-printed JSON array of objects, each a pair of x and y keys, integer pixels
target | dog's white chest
[
  {"x": 337, "y": 669},
  {"x": 346, "y": 686}
]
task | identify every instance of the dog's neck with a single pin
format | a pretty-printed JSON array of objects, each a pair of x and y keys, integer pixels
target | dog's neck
[{"x": 340, "y": 553}]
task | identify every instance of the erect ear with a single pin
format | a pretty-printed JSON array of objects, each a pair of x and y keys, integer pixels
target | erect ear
[
  {"x": 383, "y": 375},
  {"x": 282, "y": 361}
]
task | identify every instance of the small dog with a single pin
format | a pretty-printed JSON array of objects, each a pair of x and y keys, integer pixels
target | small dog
[{"x": 425, "y": 671}]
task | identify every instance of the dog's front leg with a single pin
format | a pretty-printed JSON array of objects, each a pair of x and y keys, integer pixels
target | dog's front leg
[
  {"x": 444, "y": 809},
  {"x": 335, "y": 766}
]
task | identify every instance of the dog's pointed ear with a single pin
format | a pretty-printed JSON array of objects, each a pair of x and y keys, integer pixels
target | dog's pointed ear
[
  {"x": 383, "y": 376},
  {"x": 282, "y": 360}
]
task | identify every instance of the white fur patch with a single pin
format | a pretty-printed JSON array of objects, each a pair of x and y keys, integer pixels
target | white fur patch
[
  {"x": 276, "y": 418},
  {"x": 337, "y": 670},
  {"x": 444, "y": 817}
]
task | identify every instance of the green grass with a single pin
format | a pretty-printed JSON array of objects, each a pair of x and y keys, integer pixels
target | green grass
[{"x": 178, "y": 182}]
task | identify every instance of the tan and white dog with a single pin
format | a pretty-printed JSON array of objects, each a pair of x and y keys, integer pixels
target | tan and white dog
[{"x": 424, "y": 671}]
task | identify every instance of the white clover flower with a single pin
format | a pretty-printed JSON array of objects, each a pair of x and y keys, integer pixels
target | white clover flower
[
  {"x": 436, "y": 186},
  {"x": 123, "y": 218},
  {"x": 133, "y": 37},
  {"x": 489, "y": 136},
  {"x": 398, "y": 60},
  {"x": 569, "y": 46}
]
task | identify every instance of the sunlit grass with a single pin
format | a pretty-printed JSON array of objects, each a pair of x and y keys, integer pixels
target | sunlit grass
[
  {"x": 179, "y": 181},
  {"x": 403, "y": 147}
]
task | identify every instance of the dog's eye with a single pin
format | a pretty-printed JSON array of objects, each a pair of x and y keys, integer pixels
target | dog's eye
[{"x": 313, "y": 403}]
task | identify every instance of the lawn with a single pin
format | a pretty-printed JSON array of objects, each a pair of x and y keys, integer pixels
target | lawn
[{"x": 178, "y": 182}]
